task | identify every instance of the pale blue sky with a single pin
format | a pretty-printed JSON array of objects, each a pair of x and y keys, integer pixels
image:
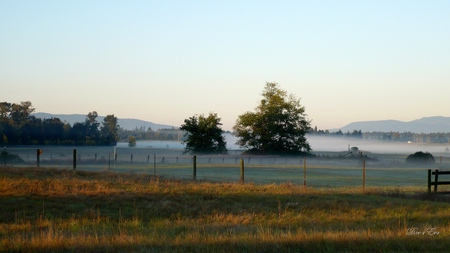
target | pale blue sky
[{"x": 164, "y": 61}]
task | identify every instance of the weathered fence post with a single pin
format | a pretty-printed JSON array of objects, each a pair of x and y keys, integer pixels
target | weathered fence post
[
  {"x": 304, "y": 172},
  {"x": 109, "y": 161},
  {"x": 194, "y": 165},
  {"x": 114, "y": 157},
  {"x": 154, "y": 165},
  {"x": 131, "y": 158},
  {"x": 429, "y": 181},
  {"x": 38, "y": 157},
  {"x": 74, "y": 159},
  {"x": 436, "y": 180},
  {"x": 242, "y": 172},
  {"x": 364, "y": 175}
]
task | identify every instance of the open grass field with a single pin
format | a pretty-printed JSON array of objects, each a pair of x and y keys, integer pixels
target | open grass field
[
  {"x": 325, "y": 170},
  {"x": 59, "y": 210}
]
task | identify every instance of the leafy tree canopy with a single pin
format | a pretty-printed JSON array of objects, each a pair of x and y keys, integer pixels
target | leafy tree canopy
[
  {"x": 278, "y": 126},
  {"x": 204, "y": 134}
]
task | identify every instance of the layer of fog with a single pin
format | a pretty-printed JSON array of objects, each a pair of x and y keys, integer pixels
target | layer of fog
[
  {"x": 337, "y": 144},
  {"x": 341, "y": 144},
  {"x": 323, "y": 144}
]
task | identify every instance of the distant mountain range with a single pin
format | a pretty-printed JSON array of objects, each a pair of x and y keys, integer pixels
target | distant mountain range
[
  {"x": 437, "y": 124},
  {"x": 128, "y": 124}
]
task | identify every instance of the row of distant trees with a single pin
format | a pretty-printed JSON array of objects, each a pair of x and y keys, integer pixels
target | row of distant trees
[
  {"x": 168, "y": 134},
  {"x": 408, "y": 136},
  {"x": 339, "y": 133},
  {"x": 19, "y": 127},
  {"x": 388, "y": 136}
]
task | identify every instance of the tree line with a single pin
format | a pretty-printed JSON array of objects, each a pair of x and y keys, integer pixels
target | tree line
[
  {"x": 278, "y": 125},
  {"x": 19, "y": 127},
  {"x": 339, "y": 133},
  {"x": 167, "y": 134},
  {"x": 387, "y": 136}
]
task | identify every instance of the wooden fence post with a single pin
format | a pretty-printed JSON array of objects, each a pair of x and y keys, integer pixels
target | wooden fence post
[
  {"x": 38, "y": 157},
  {"x": 154, "y": 165},
  {"x": 436, "y": 180},
  {"x": 242, "y": 172},
  {"x": 304, "y": 172},
  {"x": 194, "y": 165},
  {"x": 429, "y": 181},
  {"x": 364, "y": 175},
  {"x": 74, "y": 159}
]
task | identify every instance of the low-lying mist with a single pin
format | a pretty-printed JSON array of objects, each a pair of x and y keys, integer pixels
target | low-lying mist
[
  {"x": 341, "y": 144},
  {"x": 327, "y": 144},
  {"x": 336, "y": 144}
]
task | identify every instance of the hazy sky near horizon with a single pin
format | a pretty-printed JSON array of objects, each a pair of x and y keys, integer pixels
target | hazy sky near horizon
[{"x": 165, "y": 61}]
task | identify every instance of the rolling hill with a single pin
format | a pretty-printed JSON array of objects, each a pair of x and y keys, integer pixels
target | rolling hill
[
  {"x": 128, "y": 124},
  {"x": 437, "y": 124}
]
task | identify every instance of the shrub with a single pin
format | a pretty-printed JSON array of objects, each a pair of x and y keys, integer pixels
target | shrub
[
  {"x": 131, "y": 141},
  {"x": 420, "y": 158}
]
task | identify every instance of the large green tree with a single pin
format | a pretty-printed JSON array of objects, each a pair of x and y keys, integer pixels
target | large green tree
[
  {"x": 204, "y": 134},
  {"x": 278, "y": 126},
  {"x": 109, "y": 130},
  {"x": 92, "y": 128}
]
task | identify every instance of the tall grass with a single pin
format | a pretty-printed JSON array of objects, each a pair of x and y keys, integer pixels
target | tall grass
[{"x": 50, "y": 210}]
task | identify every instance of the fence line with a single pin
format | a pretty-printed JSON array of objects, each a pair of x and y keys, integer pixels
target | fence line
[{"x": 317, "y": 171}]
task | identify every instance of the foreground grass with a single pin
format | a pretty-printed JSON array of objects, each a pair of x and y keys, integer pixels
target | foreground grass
[{"x": 50, "y": 210}]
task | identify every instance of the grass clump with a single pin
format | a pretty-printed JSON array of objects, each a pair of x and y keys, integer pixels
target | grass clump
[{"x": 49, "y": 210}]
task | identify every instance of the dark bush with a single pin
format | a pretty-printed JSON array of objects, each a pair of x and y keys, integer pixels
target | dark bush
[{"x": 420, "y": 158}]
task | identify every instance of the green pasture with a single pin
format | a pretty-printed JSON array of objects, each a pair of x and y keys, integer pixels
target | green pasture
[
  {"x": 317, "y": 176},
  {"x": 325, "y": 170}
]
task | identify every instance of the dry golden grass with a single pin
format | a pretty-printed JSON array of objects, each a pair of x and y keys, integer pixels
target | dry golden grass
[{"x": 49, "y": 210}]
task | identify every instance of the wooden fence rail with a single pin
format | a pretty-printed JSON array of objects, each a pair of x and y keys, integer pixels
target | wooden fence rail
[{"x": 436, "y": 182}]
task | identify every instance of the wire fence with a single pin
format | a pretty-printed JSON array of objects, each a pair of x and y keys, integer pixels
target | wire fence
[{"x": 322, "y": 170}]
